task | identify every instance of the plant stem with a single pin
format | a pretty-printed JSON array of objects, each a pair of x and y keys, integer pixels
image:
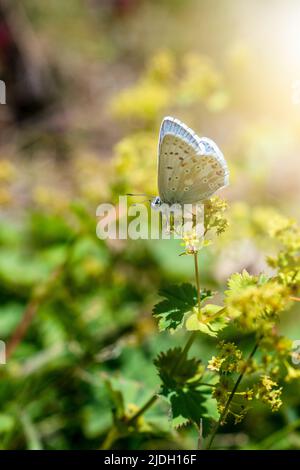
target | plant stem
[
  {"x": 34, "y": 304},
  {"x": 187, "y": 347},
  {"x": 296, "y": 299},
  {"x": 231, "y": 396},
  {"x": 29, "y": 314},
  {"x": 200, "y": 435},
  {"x": 143, "y": 409},
  {"x": 111, "y": 437},
  {"x": 197, "y": 278}
]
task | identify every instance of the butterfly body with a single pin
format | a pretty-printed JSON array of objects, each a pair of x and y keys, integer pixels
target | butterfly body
[
  {"x": 190, "y": 169},
  {"x": 156, "y": 203}
]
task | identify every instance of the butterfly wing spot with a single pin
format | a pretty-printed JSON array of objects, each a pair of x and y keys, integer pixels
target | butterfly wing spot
[
  {"x": 186, "y": 189},
  {"x": 169, "y": 167},
  {"x": 187, "y": 170}
]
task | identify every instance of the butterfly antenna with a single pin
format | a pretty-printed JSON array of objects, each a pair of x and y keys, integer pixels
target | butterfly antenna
[{"x": 132, "y": 194}]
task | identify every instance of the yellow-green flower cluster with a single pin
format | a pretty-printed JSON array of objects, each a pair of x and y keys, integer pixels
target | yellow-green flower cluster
[
  {"x": 268, "y": 391},
  {"x": 227, "y": 360},
  {"x": 51, "y": 199},
  {"x": 287, "y": 261},
  {"x": 146, "y": 100},
  {"x": 253, "y": 302},
  {"x": 270, "y": 227},
  {"x": 214, "y": 219},
  {"x": 202, "y": 81},
  {"x": 169, "y": 82},
  {"x": 291, "y": 372},
  {"x": 191, "y": 242},
  {"x": 7, "y": 176},
  {"x": 237, "y": 408},
  {"x": 143, "y": 102},
  {"x": 222, "y": 391},
  {"x": 135, "y": 164}
]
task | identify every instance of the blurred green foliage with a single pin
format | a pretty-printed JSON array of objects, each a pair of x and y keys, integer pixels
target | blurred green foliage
[{"x": 87, "y": 355}]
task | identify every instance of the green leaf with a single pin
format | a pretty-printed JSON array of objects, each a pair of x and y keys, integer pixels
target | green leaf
[
  {"x": 239, "y": 281},
  {"x": 179, "y": 299},
  {"x": 192, "y": 405},
  {"x": 206, "y": 294},
  {"x": 181, "y": 387},
  {"x": 206, "y": 325},
  {"x": 7, "y": 423},
  {"x": 176, "y": 370}
]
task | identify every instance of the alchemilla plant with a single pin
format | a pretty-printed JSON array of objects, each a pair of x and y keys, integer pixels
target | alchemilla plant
[{"x": 226, "y": 387}]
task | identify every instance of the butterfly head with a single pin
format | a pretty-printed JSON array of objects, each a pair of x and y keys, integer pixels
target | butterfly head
[{"x": 156, "y": 203}]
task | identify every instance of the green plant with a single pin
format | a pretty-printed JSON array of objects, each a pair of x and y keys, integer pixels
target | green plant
[{"x": 209, "y": 395}]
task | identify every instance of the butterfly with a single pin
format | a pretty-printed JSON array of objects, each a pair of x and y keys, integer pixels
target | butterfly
[{"x": 190, "y": 168}]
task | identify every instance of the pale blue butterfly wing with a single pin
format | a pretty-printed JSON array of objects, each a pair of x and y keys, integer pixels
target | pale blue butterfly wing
[{"x": 190, "y": 169}]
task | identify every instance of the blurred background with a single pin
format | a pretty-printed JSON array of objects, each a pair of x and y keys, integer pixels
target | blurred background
[{"x": 87, "y": 85}]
